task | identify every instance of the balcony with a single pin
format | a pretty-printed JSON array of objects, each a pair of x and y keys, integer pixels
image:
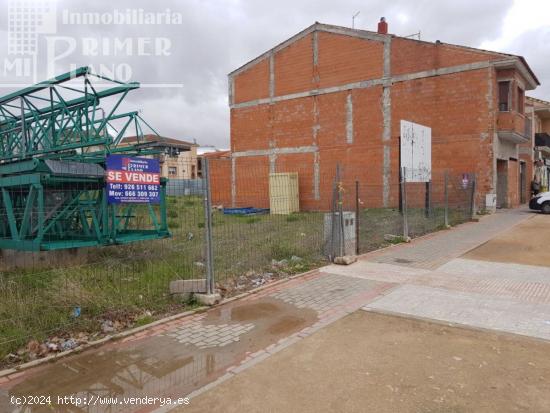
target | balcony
[
  {"x": 542, "y": 142},
  {"x": 511, "y": 127}
]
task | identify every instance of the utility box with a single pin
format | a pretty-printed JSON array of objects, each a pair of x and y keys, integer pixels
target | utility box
[
  {"x": 283, "y": 193},
  {"x": 339, "y": 234}
]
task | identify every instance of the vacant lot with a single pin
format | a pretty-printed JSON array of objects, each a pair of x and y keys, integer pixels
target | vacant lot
[
  {"x": 124, "y": 284},
  {"x": 127, "y": 285}
]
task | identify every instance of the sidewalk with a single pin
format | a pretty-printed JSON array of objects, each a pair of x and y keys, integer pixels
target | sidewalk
[
  {"x": 437, "y": 248},
  {"x": 193, "y": 355},
  {"x": 483, "y": 288}
]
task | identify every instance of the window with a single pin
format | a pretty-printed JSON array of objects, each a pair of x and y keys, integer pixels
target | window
[
  {"x": 521, "y": 100},
  {"x": 503, "y": 96},
  {"x": 172, "y": 171}
]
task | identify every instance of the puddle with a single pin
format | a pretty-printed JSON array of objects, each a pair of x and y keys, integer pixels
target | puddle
[
  {"x": 403, "y": 260},
  {"x": 285, "y": 325},
  {"x": 161, "y": 366},
  {"x": 248, "y": 312}
]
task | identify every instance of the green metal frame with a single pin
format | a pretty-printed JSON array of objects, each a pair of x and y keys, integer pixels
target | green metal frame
[{"x": 61, "y": 119}]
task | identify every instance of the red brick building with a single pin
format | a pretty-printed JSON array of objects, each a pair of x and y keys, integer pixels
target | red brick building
[{"x": 337, "y": 95}]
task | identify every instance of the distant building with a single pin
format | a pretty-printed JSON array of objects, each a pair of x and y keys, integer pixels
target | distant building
[
  {"x": 209, "y": 151},
  {"x": 540, "y": 110},
  {"x": 178, "y": 159}
]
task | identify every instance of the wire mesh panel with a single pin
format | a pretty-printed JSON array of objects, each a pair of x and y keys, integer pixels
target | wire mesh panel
[
  {"x": 388, "y": 213},
  {"x": 59, "y": 284},
  {"x": 261, "y": 227}
]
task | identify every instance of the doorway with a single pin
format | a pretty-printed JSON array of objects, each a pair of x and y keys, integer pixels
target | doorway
[
  {"x": 522, "y": 182},
  {"x": 502, "y": 183}
]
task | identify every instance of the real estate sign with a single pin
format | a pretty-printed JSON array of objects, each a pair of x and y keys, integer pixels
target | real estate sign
[
  {"x": 416, "y": 151},
  {"x": 132, "y": 180}
]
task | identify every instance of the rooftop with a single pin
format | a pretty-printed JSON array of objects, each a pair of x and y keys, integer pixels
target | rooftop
[
  {"x": 156, "y": 140},
  {"x": 368, "y": 34}
]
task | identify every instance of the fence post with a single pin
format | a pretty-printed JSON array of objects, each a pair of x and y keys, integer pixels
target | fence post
[
  {"x": 428, "y": 199},
  {"x": 208, "y": 229},
  {"x": 342, "y": 242},
  {"x": 473, "y": 197},
  {"x": 357, "y": 218},
  {"x": 404, "y": 202},
  {"x": 333, "y": 215},
  {"x": 446, "y": 192}
]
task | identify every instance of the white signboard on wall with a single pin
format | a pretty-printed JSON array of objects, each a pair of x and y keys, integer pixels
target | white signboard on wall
[{"x": 416, "y": 151}]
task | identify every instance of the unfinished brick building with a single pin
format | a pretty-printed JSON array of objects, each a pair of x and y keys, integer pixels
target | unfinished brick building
[{"x": 337, "y": 95}]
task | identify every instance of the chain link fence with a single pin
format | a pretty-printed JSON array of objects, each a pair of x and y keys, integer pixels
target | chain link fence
[{"x": 227, "y": 228}]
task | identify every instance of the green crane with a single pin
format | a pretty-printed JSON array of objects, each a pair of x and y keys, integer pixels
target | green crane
[{"x": 54, "y": 141}]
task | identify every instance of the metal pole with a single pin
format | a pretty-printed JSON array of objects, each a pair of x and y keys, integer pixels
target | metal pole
[
  {"x": 473, "y": 197},
  {"x": 208, "y": 228},
  {"x": 357, "y": 218},
  {"x": 24, "y": 128},
  {"x": 404, "y": 202},
  {"x": 341, "y": 212},
  {"x": 446, "y": 198},
  {"x": 333, "y": 216}
]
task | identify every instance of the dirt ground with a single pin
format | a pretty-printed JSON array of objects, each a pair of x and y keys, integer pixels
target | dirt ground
[
  {"x": 394, "y": 365},
  {"x": 528, "y": 243}
]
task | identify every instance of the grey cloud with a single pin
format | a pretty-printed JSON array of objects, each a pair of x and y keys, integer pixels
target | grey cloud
[
  {"x": 216, "y": 37},
  {"x": 534, "y": 46}
]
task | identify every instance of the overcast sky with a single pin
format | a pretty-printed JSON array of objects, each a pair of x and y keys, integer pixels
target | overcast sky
[{"x": 214, "y": 37}]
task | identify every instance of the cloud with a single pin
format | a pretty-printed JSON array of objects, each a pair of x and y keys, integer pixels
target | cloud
[
  {"x": 215, "y": 37},
  {"x": 526, "y": 32}
]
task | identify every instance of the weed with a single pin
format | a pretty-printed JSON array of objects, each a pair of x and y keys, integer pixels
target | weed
[
  {"x": 144, "y": 320},
  {"x": 292, "y": 218}
]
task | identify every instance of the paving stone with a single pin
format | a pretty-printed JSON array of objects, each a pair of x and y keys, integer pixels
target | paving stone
[{"x": 471, "y": 309}]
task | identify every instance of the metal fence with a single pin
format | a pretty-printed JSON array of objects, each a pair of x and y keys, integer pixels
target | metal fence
[{"x": 235, "y": 229}]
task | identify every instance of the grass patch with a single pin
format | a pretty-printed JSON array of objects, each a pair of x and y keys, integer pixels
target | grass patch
[
  {"x": 141, "y": 321},
  {"x": 172, "y": 213},
  {"x": 39, "y": 302}
]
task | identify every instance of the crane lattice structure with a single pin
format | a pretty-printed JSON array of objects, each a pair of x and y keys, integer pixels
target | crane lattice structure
[{"x": 54, "y": 140}]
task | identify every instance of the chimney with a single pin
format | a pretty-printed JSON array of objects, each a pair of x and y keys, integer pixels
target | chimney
[{"x": 382, "y": 26}]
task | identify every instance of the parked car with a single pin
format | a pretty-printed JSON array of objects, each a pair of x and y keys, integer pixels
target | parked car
[{"x": 541, "y": 202}]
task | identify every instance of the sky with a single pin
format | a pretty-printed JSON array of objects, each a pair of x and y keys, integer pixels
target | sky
[{"x": 184, "y": 65}]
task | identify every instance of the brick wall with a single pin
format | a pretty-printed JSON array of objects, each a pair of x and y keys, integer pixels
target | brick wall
[
  {"x": 344, "y": 59},
  {"x": 409, "y": 56}
]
